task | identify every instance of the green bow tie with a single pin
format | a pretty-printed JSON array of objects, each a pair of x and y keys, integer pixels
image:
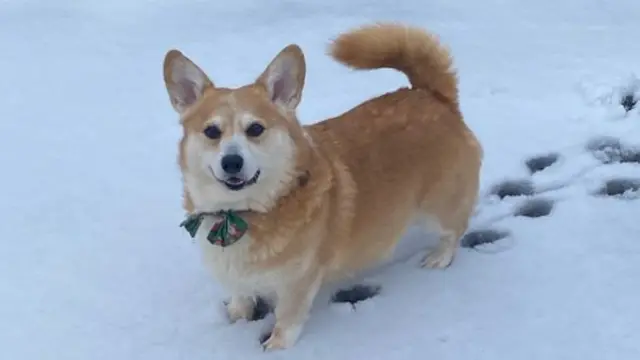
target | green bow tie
[{"x": 228, "y": 228}]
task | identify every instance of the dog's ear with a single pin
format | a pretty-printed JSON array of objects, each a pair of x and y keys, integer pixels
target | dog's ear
[
  {"x": 184, "y": 80},
  {"x": 284, "y": 78}
]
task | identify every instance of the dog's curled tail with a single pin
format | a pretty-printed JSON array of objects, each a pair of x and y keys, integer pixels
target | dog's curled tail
[{"x": 411, "y": 50}]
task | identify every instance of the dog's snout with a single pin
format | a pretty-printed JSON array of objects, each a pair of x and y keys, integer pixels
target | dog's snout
[{"x": 232, "y": 164}]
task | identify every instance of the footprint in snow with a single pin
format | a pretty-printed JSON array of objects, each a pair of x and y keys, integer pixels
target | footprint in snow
[
  {"x": 623, "y": 188},
  {"x": 540, "y": 162},
  {"x": 355, "y": 294},
  {"x": 611, "y": 150}
]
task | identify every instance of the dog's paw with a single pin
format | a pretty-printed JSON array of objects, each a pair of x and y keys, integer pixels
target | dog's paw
[
  {"x": 270, "y": 342},
  {"x": 439, "y": 258},
  {"x": 239, "y": 308},
  {"x": 279, "y": 339}
]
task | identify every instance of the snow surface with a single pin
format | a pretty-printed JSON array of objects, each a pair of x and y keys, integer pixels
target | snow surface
[{"x": 94, "y": 265}]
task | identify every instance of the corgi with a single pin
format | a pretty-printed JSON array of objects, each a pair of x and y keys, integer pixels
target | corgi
[{"x": 280, "y": 208}]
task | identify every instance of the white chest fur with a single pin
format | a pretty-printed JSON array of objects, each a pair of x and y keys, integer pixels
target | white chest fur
[{"x": 236, "y": 268}]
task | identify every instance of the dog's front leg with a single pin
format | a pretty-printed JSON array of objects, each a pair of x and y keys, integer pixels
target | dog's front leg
[{"x": 292, "y": 309}]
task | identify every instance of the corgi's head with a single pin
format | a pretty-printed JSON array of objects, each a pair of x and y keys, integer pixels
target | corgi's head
[{"x": 241, "y": 148}]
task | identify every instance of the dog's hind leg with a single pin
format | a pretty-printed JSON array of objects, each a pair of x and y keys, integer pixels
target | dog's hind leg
[
  {"x": 442, "y": 256},
  {"x": 451, "y": 222}
]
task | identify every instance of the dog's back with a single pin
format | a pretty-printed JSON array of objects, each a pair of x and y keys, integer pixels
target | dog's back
[{"x": 408, "y": 152}]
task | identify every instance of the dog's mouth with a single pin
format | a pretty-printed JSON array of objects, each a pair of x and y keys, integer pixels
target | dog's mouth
[{"x": 235, "y": 183}]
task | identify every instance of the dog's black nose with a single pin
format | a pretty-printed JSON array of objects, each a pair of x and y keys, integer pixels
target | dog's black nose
[{"x": 232, "y": 164}]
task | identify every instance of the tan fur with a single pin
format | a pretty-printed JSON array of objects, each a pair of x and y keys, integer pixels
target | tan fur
[{"x": 353, "y": 184}]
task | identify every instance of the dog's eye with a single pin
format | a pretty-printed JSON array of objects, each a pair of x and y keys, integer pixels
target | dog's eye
[
  {"x": 212, "y": 132},
  {"x": 255, "y": 130}
]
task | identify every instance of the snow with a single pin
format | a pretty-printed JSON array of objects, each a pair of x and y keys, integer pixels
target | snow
[{"x": 94, "y": 265}]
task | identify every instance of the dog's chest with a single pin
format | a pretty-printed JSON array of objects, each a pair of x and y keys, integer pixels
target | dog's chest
[{"x": 235, "y": 266}]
